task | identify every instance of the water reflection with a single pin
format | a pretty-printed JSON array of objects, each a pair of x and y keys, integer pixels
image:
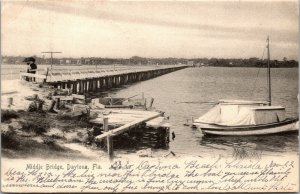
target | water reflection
[
  {"x": 269, "y": 143},
  {"x": 141, "y": 139}
]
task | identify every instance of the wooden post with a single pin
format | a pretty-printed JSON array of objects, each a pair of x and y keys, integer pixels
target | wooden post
[
  {"x": 40, "y": 105},
  {"x": 126, "y": 79},
  {"x": 52, "y": 106},
  {"x": 109, "y": 138},
  {"x": 85, "y": 86},
  {"x": 129, "y": 77},
  {"x": 101, "y": 83},
  {"x": 110, "y": 82},
  {"x": 113, "y": 81},
  {"x": 75, "y": 87},
  {"x": 117, "y": 80},
  {"x": 81, "y": 90},
  {"x": 151, "y": 103},
  {"x": 35, "y": 96},
  {"x": 72, "y": 85},
  {"x": 106, "y": 83},
  {"x": 63, "y": 85},
  {"x": 59, "y": 84},
  {"x": 79, "y": 86},
  {"x": 69, "y": 85},
  {"x": 91, "y": 85},
  {"x": 95, "y": 84},
  {"x": 88, "y": 85},
  {"x": 47, "y": 71},
  {"x": 122, "y": 79},
  {"x": 10, "y": 102},
  {"x": 58, "y": 103},
  {"x": 111, "y": 85}
]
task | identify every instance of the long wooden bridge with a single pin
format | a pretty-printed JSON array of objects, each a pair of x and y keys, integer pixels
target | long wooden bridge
[{"x": 92, "y": 80}]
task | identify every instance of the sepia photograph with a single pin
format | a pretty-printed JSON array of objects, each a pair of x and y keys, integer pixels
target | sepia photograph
[{"x": 149, "y": 96}]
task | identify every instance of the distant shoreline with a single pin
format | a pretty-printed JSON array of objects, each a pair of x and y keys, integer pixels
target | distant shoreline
[
  {"x": 133, "y": 65},
  {"x": 146, "y": 61}
]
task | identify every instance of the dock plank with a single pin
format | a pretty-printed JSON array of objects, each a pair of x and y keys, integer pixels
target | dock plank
[
  {"x": 66, "y": 98},
  {"x": 129, "y": 126},
  {"x": 121, "y": 117},
  {"x": 157, "y": 122}
]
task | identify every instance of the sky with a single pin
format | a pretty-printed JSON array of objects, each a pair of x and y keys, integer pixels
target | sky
[{"x": 194, "y": 29}]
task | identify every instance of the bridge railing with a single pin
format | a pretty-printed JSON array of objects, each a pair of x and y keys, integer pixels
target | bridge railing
[{"x": 63, "y": 74}]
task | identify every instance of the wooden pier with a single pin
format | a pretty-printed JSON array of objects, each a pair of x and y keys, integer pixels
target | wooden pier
[
  {"x": 93, "y": 80},
  {"x": 138, "y": 123}
]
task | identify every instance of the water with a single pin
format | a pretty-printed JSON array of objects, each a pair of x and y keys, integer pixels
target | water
[{"x": 191, "y": 92}]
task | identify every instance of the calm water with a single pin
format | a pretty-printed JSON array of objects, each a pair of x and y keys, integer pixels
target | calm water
[{"x": 188, "y": 93}]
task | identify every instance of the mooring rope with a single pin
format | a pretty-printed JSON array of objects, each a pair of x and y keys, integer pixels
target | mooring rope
[{"x": 198, "y": 102}]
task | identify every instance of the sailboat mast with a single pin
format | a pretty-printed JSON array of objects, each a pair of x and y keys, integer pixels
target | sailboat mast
[{"x": 269, "y": 73}]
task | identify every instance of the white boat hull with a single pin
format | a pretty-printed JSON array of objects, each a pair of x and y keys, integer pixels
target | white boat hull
[{"x": 281, "y": 127}]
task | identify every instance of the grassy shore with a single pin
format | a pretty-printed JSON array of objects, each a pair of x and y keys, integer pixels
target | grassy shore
[{"x": 39, "y": 133}]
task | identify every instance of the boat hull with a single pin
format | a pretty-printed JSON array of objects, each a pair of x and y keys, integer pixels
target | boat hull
[{"x": 289, "y": 125}]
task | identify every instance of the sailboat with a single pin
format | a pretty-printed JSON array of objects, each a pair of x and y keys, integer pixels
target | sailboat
[{"x": 242, "y": 118}]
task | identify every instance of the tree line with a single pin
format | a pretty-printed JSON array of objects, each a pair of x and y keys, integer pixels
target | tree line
[{"x": 136, "y": 60}]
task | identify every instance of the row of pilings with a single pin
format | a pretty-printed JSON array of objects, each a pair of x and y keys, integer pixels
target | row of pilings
[{"x": 105, "y": 82}]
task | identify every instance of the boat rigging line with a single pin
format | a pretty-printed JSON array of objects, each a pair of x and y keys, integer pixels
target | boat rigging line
[{"x": 254, "y": 85}]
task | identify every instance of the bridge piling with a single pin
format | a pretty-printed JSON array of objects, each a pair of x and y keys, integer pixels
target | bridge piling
[{"x": 90, "y": 83}]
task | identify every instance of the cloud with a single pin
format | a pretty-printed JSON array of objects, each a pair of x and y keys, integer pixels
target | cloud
[
  {"x": 179, "y": 29},
  {"x": 97, "y": 11}
]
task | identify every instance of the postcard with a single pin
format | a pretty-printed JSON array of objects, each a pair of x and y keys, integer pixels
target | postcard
[{"x": 149, "y": 96}]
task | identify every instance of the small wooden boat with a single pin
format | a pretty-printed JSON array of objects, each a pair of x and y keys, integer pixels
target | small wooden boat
[{"x": 241, "y": 118}]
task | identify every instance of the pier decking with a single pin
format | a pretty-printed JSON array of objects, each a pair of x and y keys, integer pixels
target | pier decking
[
  {"x": 93, "y": 80},
  {"x": 126, "y": 120}
]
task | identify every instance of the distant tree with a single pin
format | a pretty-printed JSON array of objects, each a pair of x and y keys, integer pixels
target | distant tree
[{"x": 284, "y": 59}]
